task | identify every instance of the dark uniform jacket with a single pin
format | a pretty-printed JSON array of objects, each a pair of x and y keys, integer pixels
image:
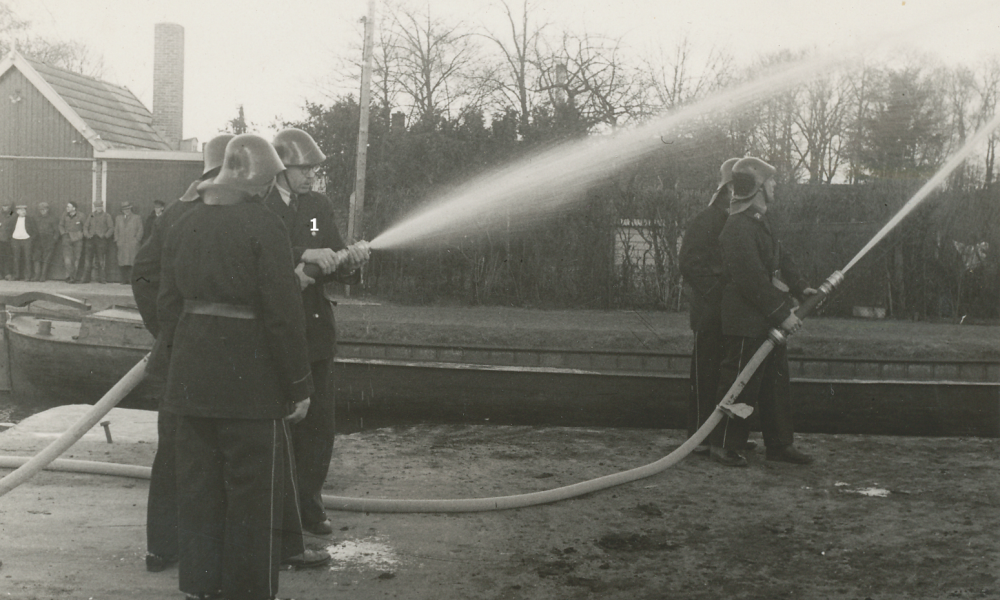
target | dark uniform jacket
[
  {"x": 752, "y": 255},
  {"x": 220, "y": 366},
  {"x": 146, "y": 268},
  {"x": 310, "y": 224},
  {"x": 701, "y": 265}
]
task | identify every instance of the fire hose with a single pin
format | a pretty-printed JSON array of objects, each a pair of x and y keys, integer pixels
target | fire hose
[{"x": 27, "y": 468}]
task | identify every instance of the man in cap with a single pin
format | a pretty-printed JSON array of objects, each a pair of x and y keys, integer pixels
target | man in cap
[
  {"x": 232, "y": 323},
  {"x": 308, "y": 216},
  {"x": 147, "y": 226},
  {"x": 98, "y": 230},
  {"x": 701, "y": 265},
  {"x": 7, "y": 220},
  {"x": 47, "y": 225},
  {"x": 762, "y": 284},
  {"x": 161, "y": 509},
  {"x": 71, "y": 238},
  {"x": 128, "y": 238},
  {"x": 21, "y": 238}
]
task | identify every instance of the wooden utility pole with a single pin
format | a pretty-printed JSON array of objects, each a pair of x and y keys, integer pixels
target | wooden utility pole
[{"x": 356, "y": 217}]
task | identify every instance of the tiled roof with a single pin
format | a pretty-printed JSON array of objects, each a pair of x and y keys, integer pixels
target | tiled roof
[{"x": 110, "y": 110}]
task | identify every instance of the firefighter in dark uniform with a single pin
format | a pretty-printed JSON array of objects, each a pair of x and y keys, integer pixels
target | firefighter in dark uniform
[
  {"x": 308, "y": 216},
  {"x": 231, "y": 321},
  {"x": 701, "y": 265},
  {"x": 161, "y": 510},
  {"x": 762, "y": 284}
]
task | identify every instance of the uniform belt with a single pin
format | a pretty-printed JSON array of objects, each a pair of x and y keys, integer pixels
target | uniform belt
[{"x": 219, "y": 309}]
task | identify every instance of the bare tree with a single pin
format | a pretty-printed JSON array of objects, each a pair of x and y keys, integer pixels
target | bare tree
[
  {"x": 514, "y": 80},
  {"x": 588, "y": 75},
  {"x": 819, "y": 119},
  {"x": 988, "y": 85},
  {"x": 433, "y": 64},
  {"x": 674, "y": 82},
  {"x": 69, "y": 55}
]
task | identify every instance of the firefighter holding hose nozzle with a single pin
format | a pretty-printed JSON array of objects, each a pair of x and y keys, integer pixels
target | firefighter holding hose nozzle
[
  {"x": 762, "y": 287},
  {"x": 321, "y": 256}
]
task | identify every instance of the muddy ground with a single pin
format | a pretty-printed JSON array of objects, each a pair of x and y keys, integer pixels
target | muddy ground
[{"x": 874, "y": 517}]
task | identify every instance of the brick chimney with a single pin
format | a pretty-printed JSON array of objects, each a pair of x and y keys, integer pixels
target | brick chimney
[{"x": 168, "y": 82}]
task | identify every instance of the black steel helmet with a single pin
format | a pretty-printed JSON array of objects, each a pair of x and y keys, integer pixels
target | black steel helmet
[
  {"x": 725, "y": 178},
  {"x": 250, "y": 163},
  {"x": 296, "y": 148},
  {"x": 749, "y": 175},
  {"x": 214, "y": 152}
]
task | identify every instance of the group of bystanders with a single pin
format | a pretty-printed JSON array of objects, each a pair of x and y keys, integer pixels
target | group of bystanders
[{"x": 28, "y": 242}]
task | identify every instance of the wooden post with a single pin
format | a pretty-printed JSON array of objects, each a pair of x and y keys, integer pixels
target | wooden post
[{"x": 357, "y": 211}]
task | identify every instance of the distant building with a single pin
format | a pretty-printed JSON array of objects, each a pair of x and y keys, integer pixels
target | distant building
[{"x": 68, "y": 137}]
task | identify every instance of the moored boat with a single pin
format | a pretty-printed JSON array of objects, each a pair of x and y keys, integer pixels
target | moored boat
[
  {"x": 65, "y": 359},
  {"x": 76, "y": 358}
]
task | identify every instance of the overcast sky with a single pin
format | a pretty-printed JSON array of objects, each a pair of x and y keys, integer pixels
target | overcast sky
[{"x": 272, "y": 59}]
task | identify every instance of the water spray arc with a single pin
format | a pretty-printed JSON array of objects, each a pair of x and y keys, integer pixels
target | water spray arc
[{"x": 547, "y": 182}]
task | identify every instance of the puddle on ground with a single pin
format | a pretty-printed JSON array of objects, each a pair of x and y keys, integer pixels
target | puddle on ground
[{"x": 372, "y": 553}]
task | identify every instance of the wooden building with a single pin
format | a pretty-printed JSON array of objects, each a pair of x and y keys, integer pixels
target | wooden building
[{"x": 67, "y": 137}]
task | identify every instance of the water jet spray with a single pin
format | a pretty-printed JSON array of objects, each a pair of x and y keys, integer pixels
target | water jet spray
[{"x": 546, "y": 182}]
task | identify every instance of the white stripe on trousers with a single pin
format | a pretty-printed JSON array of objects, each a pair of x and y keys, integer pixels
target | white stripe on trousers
[
  {"x": 294, "y": 478},
  {"x": 270, "y": 533}
]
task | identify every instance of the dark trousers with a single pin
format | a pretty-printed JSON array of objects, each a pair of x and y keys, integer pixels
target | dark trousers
[
  {"x": 313, "y": 441},
  {"x": 706, "y": 359},
  {"x": 6, "y": 259},
  {"x": 161, "y": 508},
  {"x": 229, "y": 497},
  {"x": 95, "y": 252},
  {"x": 768, "y": 391},
  {"x": 22, "y": 258},
  {"x": 71, "y": 256},
  {"x": 41, "y": 255}
]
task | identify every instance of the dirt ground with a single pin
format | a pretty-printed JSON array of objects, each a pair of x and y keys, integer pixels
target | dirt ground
[{"x": 874, "y": 517}]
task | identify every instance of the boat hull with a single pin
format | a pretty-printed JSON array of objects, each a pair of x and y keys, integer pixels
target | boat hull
[
  {"x": 390, "y": 384},
  {"x": 57, "y": 369},
  {"x": 373, "y": 393}
]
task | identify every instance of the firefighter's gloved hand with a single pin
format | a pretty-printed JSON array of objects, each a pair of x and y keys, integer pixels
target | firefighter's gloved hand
[
  {"x": 791, "y": 324},
  {"x": 325, "y": 258},
  {"x": 809, "y": 292},
  {"x": 304, "y": 280},
  {"x": 301, "y": 408}
]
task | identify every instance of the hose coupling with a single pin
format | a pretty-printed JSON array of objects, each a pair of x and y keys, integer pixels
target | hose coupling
[
  {"x": 835, "y": 279},
  {"x": 777, "y": 336}
]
